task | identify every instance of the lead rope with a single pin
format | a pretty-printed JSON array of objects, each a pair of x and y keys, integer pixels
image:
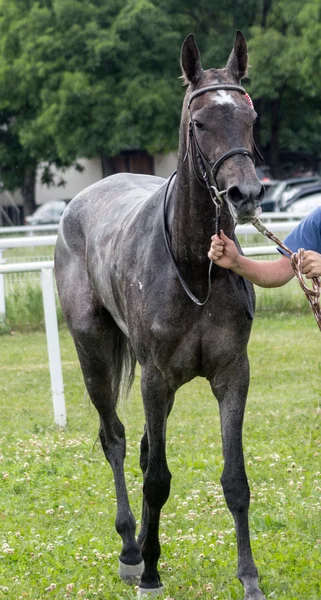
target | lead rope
[{"x": 312, "y": 294}]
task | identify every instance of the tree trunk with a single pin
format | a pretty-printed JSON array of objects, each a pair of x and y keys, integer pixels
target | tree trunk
[
  {"x": 28, "y": 190},
  {"x": 106, "y": 165},
  {"x": 267, "y": 4}
]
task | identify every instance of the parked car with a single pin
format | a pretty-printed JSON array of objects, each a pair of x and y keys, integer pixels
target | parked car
[
  {"x": 48, "y": 213},
  {"x": 305, "y": 200},
  {"x": 278, "y": 194}
]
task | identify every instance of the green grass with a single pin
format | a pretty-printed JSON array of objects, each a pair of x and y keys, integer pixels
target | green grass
[{"x": 57, "y": 499}]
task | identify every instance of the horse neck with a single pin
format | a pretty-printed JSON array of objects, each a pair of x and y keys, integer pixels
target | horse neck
[{"x": 194, "y": 218}]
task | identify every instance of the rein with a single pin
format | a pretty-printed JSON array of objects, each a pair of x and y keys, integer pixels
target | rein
[
  {"x": 313, "y": 295},
  {"x": 170, "y": 254}
]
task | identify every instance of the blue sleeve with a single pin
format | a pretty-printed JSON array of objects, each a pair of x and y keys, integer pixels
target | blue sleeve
[{"x": 307, "y": 234}]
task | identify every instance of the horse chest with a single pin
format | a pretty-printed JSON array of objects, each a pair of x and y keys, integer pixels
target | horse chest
[{"x": 188, "y": 347}]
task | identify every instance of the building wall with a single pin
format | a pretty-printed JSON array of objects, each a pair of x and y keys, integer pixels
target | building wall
[
  {"x": 75, "y": 182},
  {"x": 10, "y": 198},
  {"x": 164, "y": 165}
]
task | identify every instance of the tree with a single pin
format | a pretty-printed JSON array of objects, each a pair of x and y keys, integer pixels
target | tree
[
  {"x": 20, "y": 96},
  {"x": 108, "y": 80},
  {"x": 88, "y": 78},
  {"x": 285, "y": 53}
]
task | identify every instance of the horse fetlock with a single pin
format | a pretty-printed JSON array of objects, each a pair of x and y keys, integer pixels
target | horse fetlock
[
  {"x": 254, "y": 594},
  {"x": 126, "y": 525},
  {"x": 250, "y": 582}
]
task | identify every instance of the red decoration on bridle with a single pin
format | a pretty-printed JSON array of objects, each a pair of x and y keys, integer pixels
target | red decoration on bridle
[{"x": 249, "y": 100}]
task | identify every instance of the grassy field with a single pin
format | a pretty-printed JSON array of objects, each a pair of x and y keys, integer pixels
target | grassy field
[{"x": 57, "y": 500}]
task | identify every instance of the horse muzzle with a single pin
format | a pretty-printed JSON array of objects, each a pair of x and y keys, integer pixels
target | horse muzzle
[{"x": 244, "y": 200}]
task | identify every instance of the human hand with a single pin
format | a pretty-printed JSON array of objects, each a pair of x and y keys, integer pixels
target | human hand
[
  {"x": 223, "y": 251},
  {"x": 311, "y": 264}
]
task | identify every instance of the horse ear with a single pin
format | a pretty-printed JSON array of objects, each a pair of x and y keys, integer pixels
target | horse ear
[
  {"x": 237, "y": 62},
  {"x": 191, "y": 61}
]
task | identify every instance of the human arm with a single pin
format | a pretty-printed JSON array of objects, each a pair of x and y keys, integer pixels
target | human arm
[{"x": 265, "y": 273}]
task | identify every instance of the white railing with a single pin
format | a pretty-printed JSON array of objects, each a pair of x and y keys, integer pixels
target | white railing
[
  {"x": 35, "y": 229},
  {"x": 50, "y": 240},
  {"x": 25, "y": 242},
  {"x": 30, "y": 229},
  {"x": 49, "y": 305}
]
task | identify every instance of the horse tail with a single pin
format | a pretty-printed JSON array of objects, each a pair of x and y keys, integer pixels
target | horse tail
[{"x": 124, "y": 362}]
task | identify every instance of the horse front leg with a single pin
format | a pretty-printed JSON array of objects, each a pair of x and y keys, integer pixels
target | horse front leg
[
  {"x": 158, "y": 400},
  {"x": 231, "y": 395}
]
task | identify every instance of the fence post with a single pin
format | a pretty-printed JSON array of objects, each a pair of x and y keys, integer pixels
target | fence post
[
  {"x": 2, "y": 290},
  {"x": 57, "y": 387}
]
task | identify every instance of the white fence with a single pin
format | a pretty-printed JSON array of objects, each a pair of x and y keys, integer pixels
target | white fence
[
  {"x": 48, "y": 292},
  {"x": 49, "y": 304},
  {"x": 29, "y": 229},
  {"x": 35, "y": 229}
]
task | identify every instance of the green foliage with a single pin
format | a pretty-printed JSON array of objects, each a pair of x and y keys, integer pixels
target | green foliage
[
  {"x": 24, "y": 307},
  {"x": 96, "y": 78},
  {"x": 285, "y": 56}
]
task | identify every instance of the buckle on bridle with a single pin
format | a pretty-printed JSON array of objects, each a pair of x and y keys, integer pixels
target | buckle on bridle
[{"x": 216, "y": 195}]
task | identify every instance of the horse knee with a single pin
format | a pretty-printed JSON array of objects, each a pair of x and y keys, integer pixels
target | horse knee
[
  {"x": 236, "y": 492},
  {"x": 114, "y": 446},
  {"x": 157, "y": 487}
]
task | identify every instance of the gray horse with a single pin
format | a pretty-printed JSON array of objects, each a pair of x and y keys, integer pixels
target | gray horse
[{"x": 131, "y": 267}]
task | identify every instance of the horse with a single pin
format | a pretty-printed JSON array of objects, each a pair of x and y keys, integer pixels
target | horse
[{"x": 135, "y": 285}]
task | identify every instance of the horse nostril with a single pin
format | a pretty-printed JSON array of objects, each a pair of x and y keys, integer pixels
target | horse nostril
[{"x": 237, "y": 194}]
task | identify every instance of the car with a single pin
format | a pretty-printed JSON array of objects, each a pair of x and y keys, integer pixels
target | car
[
  {"x": 305, "y": 200},
  {"x": 48, "y": 213},
  {"x": 278, "y": 194}
]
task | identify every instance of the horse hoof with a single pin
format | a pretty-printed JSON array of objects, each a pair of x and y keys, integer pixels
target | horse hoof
[
  {"x": 130, "y": 573},
  {"x": 150, "y": 592}
]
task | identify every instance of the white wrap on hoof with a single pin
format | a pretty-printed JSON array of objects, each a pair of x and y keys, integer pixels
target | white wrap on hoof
[
  {"x": 150, "y": 592},
  {"x": 130, "y": 573}
]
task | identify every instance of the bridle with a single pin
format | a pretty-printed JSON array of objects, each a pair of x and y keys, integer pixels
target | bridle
[
  {"x": 206, "y": 175},
  {"x": 205, "y": 172}
]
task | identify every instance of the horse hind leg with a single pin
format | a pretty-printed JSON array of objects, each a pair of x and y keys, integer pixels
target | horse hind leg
[{"x": 103, "y": 351}]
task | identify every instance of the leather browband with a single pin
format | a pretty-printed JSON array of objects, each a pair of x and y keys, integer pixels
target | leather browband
[{"x": 213, "y": 88}]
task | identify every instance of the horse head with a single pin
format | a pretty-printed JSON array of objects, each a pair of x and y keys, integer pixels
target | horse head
[{"x": 218, "y": 118}]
